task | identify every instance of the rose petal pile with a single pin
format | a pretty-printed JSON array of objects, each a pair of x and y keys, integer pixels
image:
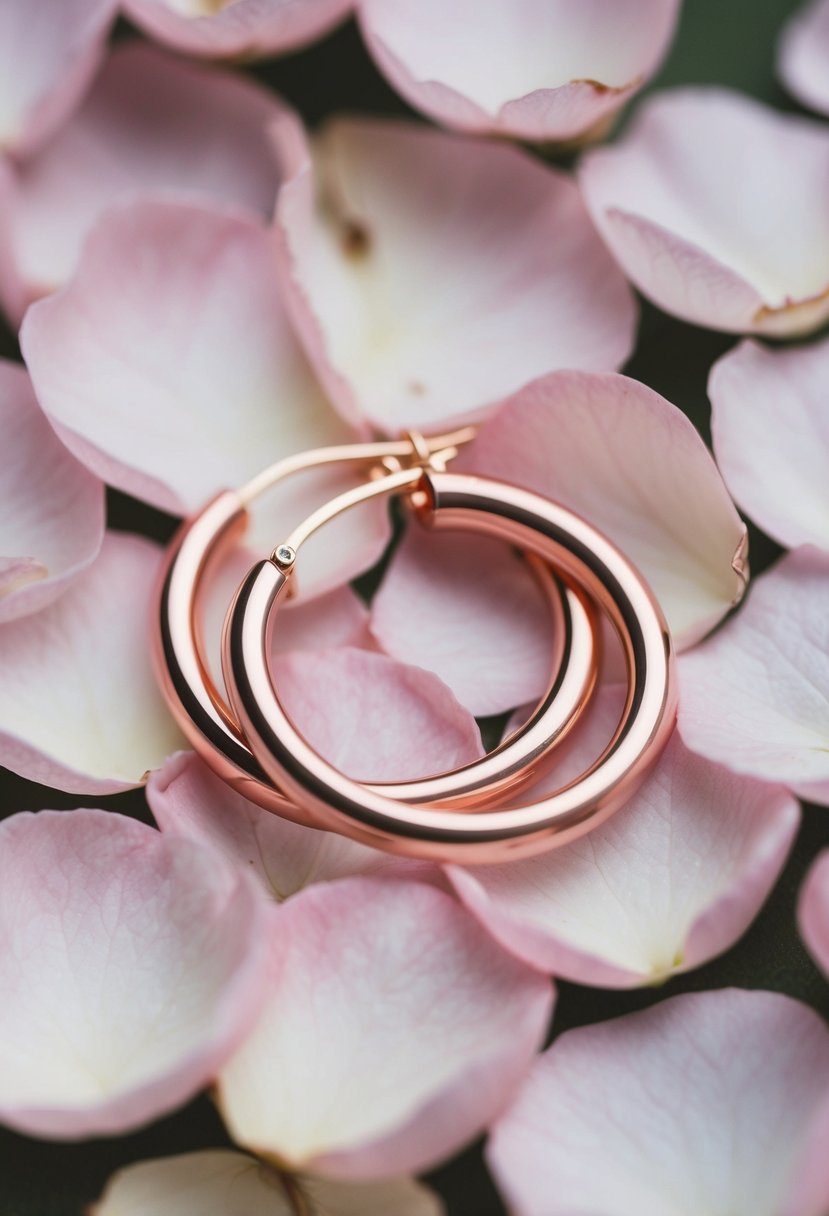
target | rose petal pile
[
  {"x": 756, "y": 696},
  {"x": 536, "y": 69},
  {"x": 533, "y": 69},
  {"x": 201, "y": 289},
  {"x": 151, "y": 126}
]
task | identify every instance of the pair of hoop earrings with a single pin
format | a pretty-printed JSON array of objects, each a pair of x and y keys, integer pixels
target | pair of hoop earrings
[{"x": 247, "y": 737}]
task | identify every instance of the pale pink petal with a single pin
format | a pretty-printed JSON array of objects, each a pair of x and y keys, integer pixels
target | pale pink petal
[
  {"x": 346, "y": 547},
  {"x": 469, "y": 609},
  {"x": 49, "y": 50},
  {"x": 132, "y": 965},
  {"x": 220, "y": 1182},
  {"x": 631, "y": 463},
  {"x": 79, "y": 709},
  {"x": 771, "y": 437},
  {"x": 803, "y": 59},
  {"x": 535, "y": 69},
  {"x": 671, "y": 880},
  {"x": 168, "y": 363},
  {"x": 704, "y": 1103},
  {"x": 431, "y": 275},
  {"x": 755, "y": 696},
  {"x": 364, "y": 712},
  {"x": 51, "y": 507},
  {"x": 188, "y": 800},
  {"x": 169, "y": 367},
  {"x": 13, "y": 299},
  {"x": 373, "y": 718},
  {"x": 236, "y": 27},
  {"x": 813, "y": 911},
  {"x": 338, "y": 618},
  {"x": 151, "y": 126},
  {"x": 809, "y": 1192},
  {"x": 712, "y": 204},
  {"x": 394, "y": 1030}
]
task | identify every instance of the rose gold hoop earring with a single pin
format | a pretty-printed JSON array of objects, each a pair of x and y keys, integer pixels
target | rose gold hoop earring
[
  {"x": 329, "y": 799},
  {"x": 210, "y": 724}
]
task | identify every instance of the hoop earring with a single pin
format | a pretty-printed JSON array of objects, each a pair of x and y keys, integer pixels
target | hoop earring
[
  {"x": 209, "y": 722},
  {"x": 445, "y": 500}
]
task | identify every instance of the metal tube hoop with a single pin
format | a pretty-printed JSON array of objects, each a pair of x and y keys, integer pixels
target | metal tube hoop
[{"x": 559, "y": 537}]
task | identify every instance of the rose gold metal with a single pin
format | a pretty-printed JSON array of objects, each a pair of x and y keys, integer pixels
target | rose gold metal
[
  {"x": 210, "y": 724},
  {"x": 329, "y": 799}
]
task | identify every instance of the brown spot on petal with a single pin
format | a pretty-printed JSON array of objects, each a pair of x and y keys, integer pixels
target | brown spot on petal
[
  {"x": 793, "y": 317},
  {"x": 599, "y": 129},
  {"x": 355, "y": 239},
  {"x": 601, "y": 88},
  {"x": 417, "y": 388},
  {"x": 596, "y": 86},
  {"x": 740, "y": 566},
  {"x": 352, "y": 234}
]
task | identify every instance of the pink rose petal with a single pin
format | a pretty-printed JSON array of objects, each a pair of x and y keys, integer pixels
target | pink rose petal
[
  {"x": 188, "y": 800},
  {"x": 131, "y": 967},
  {"x": 632, "y": 464},
  {"x": 51, "y": 507},
  {"x": 346, "y": 547},
  {"x": 365, "y": 713},
  {"x": 469, "y": 609},
  {"x": 755, "y": 697},
  {"x": 236, "y": 27},
  {"x": 79, "y": 709},
  {"x": 771, "y": 437},
  {"x": 172, "y": 340},
  {"x": 671, "y": 880},
  {"x": 430, "y": 275},
  {"x": 49, "y": 50},
  {"x": 374, "y": 718},
  {"x": 813, "y": 911},
  {"x": 220, "y": 1182},
  {"x": 169, "y": 367},
  {"x": 17, "y": 573},
  {"x": 705, "y": 1103},
  {"x": 535, "y": 69},
  {"x": 338, "y": 618},
  {"x": 687, "y": 199},
  {"x": 151, "y": 126},
  {"x": 394, "y": 1030},
  {"x": 803, "y": 59}
]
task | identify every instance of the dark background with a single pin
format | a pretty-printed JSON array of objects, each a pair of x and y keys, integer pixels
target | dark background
[{"x": 729, "y": 42}]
